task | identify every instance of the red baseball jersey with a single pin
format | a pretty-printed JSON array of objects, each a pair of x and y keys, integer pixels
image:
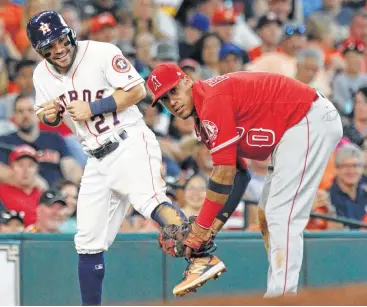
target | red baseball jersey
[{"x": 245, "y": 114}]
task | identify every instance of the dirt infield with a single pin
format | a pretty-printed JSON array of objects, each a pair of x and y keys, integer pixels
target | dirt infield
[{"x": 355, "y": 295}]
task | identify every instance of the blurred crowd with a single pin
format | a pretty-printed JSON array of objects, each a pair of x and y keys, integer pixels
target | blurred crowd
[{"x": 320, "y": 42}]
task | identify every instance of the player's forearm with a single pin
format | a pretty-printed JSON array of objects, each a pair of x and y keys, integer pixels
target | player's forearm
[
  {"x": 219, "y": 188},
  {"x": 125, "y": 99}
]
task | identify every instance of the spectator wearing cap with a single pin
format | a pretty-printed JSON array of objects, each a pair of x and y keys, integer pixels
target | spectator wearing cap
[
  {"x": 22, "y": 195},
  {"x": 191, "y": 68},
  {"x": 268, "y": 28},
  {"x": 55, "y": 160},
  {"x": 102, "y": 28},
  {"x": 11, "y": 221},
  {"x": 284, "y": 59},
  {"x": 358, "y": 31},
  {"x": 165, "y": 51},
  {"x": 347, "y": 195},
  {"x": 356, "y": 129},
  {"x": 230, "y": 59},
  {"x": 223, "y": 22},
  {"x": 348, "y": 82},
  {"x": 97, "y": 7},
  {"x": 196, "y": 26},
  {"x": 49, "y": 212}
]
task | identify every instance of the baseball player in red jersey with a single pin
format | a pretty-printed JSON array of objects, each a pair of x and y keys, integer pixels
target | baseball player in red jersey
[{"x": 254, "y": 115}]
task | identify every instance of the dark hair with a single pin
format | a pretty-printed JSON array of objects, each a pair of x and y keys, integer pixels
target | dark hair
[
  {"x": 363, "y": 90},
  {"x": 20, "y": 97},
  {"x": 198, "y": 49},
  {"x": 23, "y": 63},
  {"x": 200, "y": 175}
]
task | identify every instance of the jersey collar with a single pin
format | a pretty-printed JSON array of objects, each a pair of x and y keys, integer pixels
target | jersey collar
[{"x": 198, "y": 94}]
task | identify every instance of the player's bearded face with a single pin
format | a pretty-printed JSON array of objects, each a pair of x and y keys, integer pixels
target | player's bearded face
[
  {"x": 59, "y": 53},
  {"x": 179, "y": 100}
]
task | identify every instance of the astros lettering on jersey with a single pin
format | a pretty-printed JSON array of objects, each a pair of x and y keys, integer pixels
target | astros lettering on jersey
[{"x": 97, "y": 71}]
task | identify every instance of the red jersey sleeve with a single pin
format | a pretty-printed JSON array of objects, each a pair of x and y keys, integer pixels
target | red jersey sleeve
[{"x": 219, "y": 125}]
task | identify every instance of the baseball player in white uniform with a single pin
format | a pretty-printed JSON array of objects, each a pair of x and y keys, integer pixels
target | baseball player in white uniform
[{"x": 92, "y": 88}]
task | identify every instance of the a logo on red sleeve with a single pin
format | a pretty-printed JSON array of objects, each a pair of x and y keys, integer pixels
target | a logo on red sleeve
[
  {"x": 211, "y": 130},
  {"x": 120, "y": 64}
]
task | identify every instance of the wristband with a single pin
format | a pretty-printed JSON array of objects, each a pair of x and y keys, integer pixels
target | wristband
[
  {"x": 54, "y": 123},
  {"x": 104, "y": 105},
  {"x": 219, "y": 188}
]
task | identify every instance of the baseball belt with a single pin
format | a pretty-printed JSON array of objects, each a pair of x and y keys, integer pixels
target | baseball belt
[{"x": 108, "y": 147}]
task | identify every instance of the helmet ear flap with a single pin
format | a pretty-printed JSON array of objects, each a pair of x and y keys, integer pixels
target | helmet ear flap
[{"x": 72, "y": 37}]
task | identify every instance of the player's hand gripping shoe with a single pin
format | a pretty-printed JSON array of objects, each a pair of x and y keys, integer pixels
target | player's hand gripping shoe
[{"x": 202, "y": 267}]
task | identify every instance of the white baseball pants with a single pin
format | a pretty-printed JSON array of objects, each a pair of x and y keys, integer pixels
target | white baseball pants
[
  {"x": 299, "y": 161},
  {"x": 131, "y": 175}
]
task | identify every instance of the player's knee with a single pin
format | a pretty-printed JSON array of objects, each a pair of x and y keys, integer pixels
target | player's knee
[{"x": 89, "y": 244}]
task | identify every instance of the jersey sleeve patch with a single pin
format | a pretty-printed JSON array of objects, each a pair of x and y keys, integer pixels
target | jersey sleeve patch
[
  {"x": 211, "y": 130},
  {"x": 120, "y": 64}
]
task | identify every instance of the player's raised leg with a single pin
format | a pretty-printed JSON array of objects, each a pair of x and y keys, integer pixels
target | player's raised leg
[
  {"x": 98, "y": 211},
  {"x": 299, "y": 162},
  {"x": 145, "y": 187}
]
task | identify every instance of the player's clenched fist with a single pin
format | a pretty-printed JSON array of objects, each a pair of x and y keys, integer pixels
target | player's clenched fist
[
  {"x": 51, "y": 110},
  {"x": 79, "y": 110}
]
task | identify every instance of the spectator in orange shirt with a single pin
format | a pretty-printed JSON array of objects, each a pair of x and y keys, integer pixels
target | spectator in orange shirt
[
  {"x": 11, "y": 14},
  {"x": 319, "y": 36},
  {"x": 23, "y": 84},
  {"x": 31, "y": 7},
  {"x": 49, "y": 212},
  {"x": 322, "y": 205},
  {"x": 269, "y": 30},
  {"x": 22, "y": 194}
]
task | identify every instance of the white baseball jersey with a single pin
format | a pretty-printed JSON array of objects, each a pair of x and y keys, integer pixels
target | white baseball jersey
[{"x": 98, "y": 70}]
